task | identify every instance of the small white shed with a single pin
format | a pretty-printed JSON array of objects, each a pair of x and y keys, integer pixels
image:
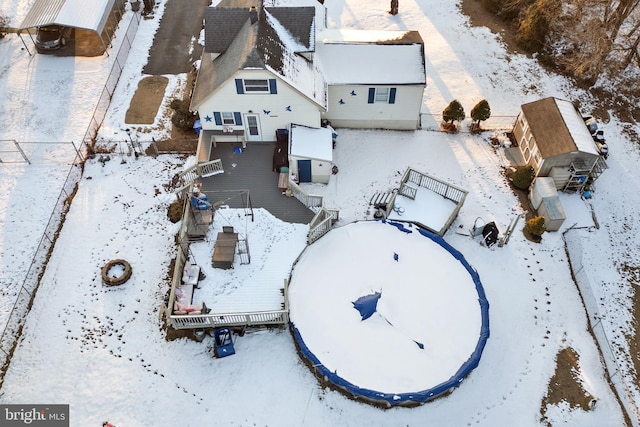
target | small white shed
[
  {"x": 553, "y": 213},
  {"x": 310, "y": 153},
  {"x": 545, "y": 200},
  {"x": 542, "y": 187}
]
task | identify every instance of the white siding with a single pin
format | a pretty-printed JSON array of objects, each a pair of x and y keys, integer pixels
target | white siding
[
  {"x": 320, "y": 169},
  {"x": 356, "y": 112},
  {"x": 226, "y": 99}
]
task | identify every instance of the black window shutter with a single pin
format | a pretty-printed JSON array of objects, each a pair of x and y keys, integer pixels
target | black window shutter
[
  {"x": 217, "y": 117},
  {"x": 238, "y": 118},
  {"x": 272, "y": 86},
  {"x": 392, "y": 95},
  {"x": 372, "y": 95},
  {"x": 239, "y": 86}
]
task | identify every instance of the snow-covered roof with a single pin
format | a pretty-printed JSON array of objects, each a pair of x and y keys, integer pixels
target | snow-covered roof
[
  {"x": 382, "y": 57},
  {"x": 311, "y": 143},
  {"x": 69, "y": 13},
  {"x": 576, "y": 126},
  {"x": 275, "y": 42},
  {"x": 280, "y": 42}
]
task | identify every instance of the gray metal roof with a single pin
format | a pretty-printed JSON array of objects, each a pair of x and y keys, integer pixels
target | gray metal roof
[{"x": 68, "y": 13}]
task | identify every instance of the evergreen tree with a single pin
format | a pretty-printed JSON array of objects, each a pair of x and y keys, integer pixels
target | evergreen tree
[
  {"x": 523, "y": 177},
  {"x": 480, "y": 112},
  {"x": 453, "y": 112}
]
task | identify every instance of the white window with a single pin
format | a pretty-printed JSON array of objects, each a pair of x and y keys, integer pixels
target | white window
[
  {"x": 228, "y": 119},
  {"x": 256, "y": 85},
  {"x": 527, "y": 155},
  {"x": 536, "y": 155},
  {"x": 382, "y": 94}
]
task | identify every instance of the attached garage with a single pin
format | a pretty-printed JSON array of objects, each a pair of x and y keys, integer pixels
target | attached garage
[{"x": 92, "y": 23}]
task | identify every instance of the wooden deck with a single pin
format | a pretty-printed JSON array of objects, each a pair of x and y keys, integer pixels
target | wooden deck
[{"x": 251, "y": 168}]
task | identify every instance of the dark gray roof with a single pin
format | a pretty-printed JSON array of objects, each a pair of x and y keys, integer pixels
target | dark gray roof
[
  {"x": 273, "y": 43},
  {"x": 241, "y": 53},
  {"x": 222, "y": 26},
  {"x": 298, "y": 21}
]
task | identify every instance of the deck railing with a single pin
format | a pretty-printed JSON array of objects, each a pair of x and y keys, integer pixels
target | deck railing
[
  {"x": 215, "y": 320},
  {"x": 309, "y": 200},
  {"x": 190, "y": 175},
  {"x": 446, "y": 190},
  {"x": 321, "y": 224},
  {"x": 442, "y": 188}
]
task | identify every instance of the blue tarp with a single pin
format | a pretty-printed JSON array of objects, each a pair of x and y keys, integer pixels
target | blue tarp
[
  {"x": 420, "y": 396},
  {"x": 200, "y": 202},
  {"x": 367, "y": 304}
]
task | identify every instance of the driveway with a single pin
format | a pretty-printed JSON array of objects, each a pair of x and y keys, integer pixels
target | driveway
[{"x": 175, "y": 45}]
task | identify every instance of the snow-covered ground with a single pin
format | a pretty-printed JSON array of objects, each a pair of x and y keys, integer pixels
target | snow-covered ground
[{"x": 103, "y": 351}]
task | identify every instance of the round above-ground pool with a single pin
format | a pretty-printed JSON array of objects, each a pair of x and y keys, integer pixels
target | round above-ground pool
[{"x": 387, "y": 312}]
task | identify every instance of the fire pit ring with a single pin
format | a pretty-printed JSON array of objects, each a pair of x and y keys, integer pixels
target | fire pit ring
[{"x": 116, "y": 272}]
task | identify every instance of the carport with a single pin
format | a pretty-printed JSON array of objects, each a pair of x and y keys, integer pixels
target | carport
[{"x": 96, "y": 17}]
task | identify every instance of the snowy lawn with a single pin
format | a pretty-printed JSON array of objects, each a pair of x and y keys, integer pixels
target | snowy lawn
[{"x": 103, "y": 350}]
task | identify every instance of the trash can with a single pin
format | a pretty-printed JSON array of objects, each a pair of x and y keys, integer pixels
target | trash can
[{"x": 282, "y": 135}]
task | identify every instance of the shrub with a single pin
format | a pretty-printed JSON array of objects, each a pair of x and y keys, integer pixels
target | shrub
[
  {"x": 535, "y": 226},
  {"x": 480, "y": 112},
  {"x": 4, "y": 24},
  {"x": 523, "y": 177},
  {"x": 182, "y": 117},
  {"x": 453, "y": 112},
  {"x": 174, "y": 212}
]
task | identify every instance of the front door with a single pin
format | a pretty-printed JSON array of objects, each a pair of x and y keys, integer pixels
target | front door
[
  {"x": 304, "y": 170},
  {"x": 252, "y": 127}
]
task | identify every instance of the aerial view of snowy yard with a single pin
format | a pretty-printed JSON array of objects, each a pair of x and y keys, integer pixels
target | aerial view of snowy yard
[{"x": 533, "y": 332}]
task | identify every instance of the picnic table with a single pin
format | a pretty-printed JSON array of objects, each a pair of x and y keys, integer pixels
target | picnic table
[{"x": 224, "y": 249}]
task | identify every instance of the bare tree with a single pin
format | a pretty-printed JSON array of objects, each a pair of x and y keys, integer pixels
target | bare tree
[
  {"x": 595, "y": 36},
  {"x": 394, "y": 7}
]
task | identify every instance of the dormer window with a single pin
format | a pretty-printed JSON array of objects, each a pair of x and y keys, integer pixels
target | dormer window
[{"x": 256, "y": 86}]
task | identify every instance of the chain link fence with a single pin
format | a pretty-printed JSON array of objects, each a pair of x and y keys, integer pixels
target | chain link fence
[
  {"x": 13, "y": 328},
  {"x": 573, "y": 245},
  {"x": 433, "y": 122}
]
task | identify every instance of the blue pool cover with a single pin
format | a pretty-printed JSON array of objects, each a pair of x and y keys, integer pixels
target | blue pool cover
[{"x": 418, "y": 397}]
